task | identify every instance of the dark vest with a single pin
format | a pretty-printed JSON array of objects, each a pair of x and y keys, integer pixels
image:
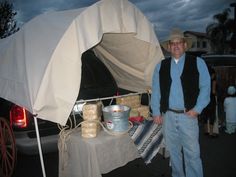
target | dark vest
[{"x": 189, "y": 80}]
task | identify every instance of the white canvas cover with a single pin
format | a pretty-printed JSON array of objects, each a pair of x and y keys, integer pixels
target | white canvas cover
[{"x": 40, "y": 65}]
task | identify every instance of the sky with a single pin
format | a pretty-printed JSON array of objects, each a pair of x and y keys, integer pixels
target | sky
[{"x": 188, "y": 15}]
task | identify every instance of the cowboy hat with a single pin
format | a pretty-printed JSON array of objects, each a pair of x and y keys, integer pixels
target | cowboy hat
[{"x": 176, "y": 33}]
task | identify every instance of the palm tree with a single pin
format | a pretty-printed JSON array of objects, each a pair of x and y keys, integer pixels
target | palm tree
[
  {"x": 8, "y": 24},
  {"x": 221, "y": 32}
]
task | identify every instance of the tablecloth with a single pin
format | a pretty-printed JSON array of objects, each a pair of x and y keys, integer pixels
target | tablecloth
[
  {"x": 83, "y": 157},
  {"x": 91, "y": 157}
]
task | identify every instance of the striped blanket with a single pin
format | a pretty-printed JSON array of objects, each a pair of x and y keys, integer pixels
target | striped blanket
[{"x": 148, "y": 138}]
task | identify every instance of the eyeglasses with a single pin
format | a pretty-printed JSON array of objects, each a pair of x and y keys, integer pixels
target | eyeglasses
[{"x": 176, "y": 43}]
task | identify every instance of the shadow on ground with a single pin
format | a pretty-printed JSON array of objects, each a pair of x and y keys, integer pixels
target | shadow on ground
[{"x": 218, "y": 156}]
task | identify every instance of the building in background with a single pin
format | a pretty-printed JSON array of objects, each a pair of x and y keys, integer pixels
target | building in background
[{"x": 201, "y": 43}]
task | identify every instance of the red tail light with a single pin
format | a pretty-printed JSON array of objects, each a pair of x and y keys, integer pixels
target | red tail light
[{"x": 18, "y": 117}]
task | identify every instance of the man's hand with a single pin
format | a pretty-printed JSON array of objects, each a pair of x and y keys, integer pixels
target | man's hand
[
  {"x": 192, "y": 113},
  {"x": 158, "y": 120}
]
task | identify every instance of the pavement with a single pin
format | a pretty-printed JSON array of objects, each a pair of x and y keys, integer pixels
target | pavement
[{"x": 218, "y": 158}]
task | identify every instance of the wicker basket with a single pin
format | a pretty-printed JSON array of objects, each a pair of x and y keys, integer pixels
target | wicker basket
[
  {"x": 90, "y": 129},
  {"x": 133, "y": 101},
  {"x": 92, "y": 112},
  {"x": 143, "y": 111}
]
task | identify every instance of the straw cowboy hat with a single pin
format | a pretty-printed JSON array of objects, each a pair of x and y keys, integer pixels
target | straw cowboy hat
[{"x": 176, "y": 34}]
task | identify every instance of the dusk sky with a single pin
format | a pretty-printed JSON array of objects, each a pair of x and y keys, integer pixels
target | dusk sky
[{"x": 191, "y": 15}]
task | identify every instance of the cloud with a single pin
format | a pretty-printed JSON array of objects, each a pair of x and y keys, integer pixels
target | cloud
[
  {"x": 27, "y": 9},
  {"x": 191, "y": 15}
]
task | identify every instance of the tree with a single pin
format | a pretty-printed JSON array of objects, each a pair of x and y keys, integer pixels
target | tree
[
  {"x": 8, "y": 25},
  {"x": 221, "y": 32}
]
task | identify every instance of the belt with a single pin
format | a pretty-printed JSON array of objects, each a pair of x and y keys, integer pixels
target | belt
[{"x": 177, "y": 111}]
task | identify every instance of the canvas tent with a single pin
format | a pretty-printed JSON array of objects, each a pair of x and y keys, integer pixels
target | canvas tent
[{"x": 41, "y": 64}]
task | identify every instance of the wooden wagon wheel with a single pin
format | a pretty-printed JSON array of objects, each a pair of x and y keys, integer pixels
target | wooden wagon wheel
[{"x": 7, "y": 149}]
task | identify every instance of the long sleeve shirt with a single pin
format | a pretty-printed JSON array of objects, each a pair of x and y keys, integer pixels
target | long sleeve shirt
[
  {"x": 176, "y": 98},
  {"x": 230, "y": 109}
]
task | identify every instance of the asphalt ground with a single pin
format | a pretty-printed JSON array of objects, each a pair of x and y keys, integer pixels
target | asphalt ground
[{"x": 218, "y": 156}]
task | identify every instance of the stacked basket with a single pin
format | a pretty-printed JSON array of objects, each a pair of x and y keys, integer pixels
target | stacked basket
[
  {"x": 92, "y": 113},
  {"x": 134, "y": 102}
]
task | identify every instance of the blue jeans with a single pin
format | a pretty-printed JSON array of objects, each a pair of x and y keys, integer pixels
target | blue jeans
[{"x": 181, "y": 134}]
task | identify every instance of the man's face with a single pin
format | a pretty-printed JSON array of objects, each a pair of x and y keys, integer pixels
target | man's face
[{"x": 177, "y": 47}]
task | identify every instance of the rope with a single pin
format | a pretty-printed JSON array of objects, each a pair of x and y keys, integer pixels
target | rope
[
  {"x": 66, "y": 131},
  {"x": 65, "y": 134}
]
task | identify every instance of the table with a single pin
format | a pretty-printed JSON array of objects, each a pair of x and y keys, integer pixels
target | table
[{"x": 83, "y": 157}]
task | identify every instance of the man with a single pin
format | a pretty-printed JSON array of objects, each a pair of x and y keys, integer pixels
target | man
[
  {"x": 180, "y": 91},
  {"x": 230, "y": 111}
]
